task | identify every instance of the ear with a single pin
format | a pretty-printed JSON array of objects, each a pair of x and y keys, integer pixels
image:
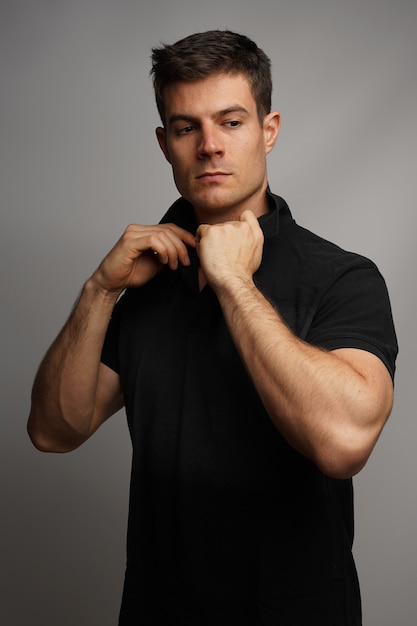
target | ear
[
  {"x": 271, "y": 125},
  {"x": 162, "y": 140}
]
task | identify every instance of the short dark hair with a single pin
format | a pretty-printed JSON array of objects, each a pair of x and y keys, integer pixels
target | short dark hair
[{"x": 211, "y": 52}]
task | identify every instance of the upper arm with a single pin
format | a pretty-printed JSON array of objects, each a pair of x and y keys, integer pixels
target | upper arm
[
  {"x": 109, "y": 396},
  {"x": 378, "y": 384},
  {"x": 51, "y": 434},
  {"x": 366, "y": 403}
]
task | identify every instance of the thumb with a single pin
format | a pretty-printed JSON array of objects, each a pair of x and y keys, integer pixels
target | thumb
[{"x": 248, "y": 216}]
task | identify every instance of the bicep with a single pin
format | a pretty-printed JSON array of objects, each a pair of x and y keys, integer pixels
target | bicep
[
  {"x": 109, "y": 396},
  {"x": 377, "y": 381}
]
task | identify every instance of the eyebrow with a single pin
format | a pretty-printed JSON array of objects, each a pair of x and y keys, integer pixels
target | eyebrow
[{"x": 183, "y": 117}]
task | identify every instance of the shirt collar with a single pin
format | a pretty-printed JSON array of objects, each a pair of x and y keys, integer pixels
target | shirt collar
[{"x": 182, "y": 214}]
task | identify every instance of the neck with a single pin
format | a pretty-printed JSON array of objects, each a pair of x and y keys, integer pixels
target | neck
[{"x": 206, "y": 215}]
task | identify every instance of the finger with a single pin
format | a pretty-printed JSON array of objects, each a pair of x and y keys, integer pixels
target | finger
[
  {"x": 170, "y": 249},
  {"x": 182, "y": 234},
  {"x": 180, "y": 238},
  {"x": 201, "y": 230},
  {"x": 165, "y": 250},
  {"x": 185, "y": 236},
  {"x": 249, "y": 217},
  {"x": 168, "y": 242}
]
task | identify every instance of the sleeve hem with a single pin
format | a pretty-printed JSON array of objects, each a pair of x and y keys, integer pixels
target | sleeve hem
[{"x": 361, "y": 344}]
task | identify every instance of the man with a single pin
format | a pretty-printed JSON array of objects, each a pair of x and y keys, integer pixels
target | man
[{"x": 255, "y": 362}]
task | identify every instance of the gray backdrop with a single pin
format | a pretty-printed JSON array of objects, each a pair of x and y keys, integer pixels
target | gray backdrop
[{"x": 79, "y": 161}]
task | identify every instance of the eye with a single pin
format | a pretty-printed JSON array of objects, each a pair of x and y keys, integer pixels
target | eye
[
  {"x": 233, "y": 123},
  {"x": 185, "y": 130}
]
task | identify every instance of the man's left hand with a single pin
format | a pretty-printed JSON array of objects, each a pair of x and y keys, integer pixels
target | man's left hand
[{"x": 230, "y": 251}]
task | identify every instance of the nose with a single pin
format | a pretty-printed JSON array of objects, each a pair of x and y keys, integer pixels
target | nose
[{"x": 210, "y": 142}]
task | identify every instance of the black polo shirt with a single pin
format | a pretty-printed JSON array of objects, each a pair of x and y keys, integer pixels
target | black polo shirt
[{"x": 227, "y": 523}]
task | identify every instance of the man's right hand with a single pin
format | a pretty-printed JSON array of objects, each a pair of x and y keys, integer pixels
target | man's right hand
[{"x": 141, "y": 253}]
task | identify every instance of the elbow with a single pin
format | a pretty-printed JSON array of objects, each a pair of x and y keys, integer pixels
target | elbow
[
  {"x": 346, "y": 449},
  {"x": 346, "y": 457},
  {"x": 341, "y": 466},
  {"x": 44, "y": 441},
  {"x": 39, "y": 441},
  {"x": 35, "y": 434}
]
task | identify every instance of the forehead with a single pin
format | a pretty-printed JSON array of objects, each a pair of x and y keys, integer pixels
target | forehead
[{"x": 207, "y": 95}]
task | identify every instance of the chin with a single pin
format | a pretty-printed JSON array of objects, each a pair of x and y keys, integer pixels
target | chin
[{"x": 222, "y": 201}]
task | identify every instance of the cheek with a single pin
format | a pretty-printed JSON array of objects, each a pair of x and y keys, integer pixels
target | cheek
[
  {"x": 253, "y": 149},
  {"x": 178, "y": 167},
  {"x": 180, "y": 175},
  {"x": 253, "y": 156}
]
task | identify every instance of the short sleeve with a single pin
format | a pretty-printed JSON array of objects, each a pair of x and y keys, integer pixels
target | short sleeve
[{"x": 355, "y": 312}]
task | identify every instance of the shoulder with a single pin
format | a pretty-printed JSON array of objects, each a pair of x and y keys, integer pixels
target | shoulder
[
  {"x": 303, "y": 258},
  {"x": 300, "y": 248},
  {"x": 317, "y": 253},
  {"x": 328, "y": 296}
]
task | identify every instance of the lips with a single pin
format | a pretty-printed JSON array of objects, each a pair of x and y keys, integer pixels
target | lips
[{"x": 212, "y": 176}]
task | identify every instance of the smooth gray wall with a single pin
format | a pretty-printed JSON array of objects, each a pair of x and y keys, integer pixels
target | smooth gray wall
[{"x": 79, "y": 161}]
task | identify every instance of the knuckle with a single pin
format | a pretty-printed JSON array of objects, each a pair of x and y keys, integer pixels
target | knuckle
[
  {"x": 131, "y": 227},
  {"x": 154, "y": 240}
]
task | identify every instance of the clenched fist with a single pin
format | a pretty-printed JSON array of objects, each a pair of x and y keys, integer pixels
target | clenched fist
[{"x": 230, "y": 250}]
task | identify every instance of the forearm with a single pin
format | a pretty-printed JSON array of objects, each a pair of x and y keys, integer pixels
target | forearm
[
  {"x": 64, "y": 391},
  {"x": 322, "y": 405},
  {"x": 73, "y": 392}
]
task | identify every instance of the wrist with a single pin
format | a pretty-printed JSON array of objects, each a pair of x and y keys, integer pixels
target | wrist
[
  {"x": 234, "y": 284},
  {"x": 94, "y": 289}
]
